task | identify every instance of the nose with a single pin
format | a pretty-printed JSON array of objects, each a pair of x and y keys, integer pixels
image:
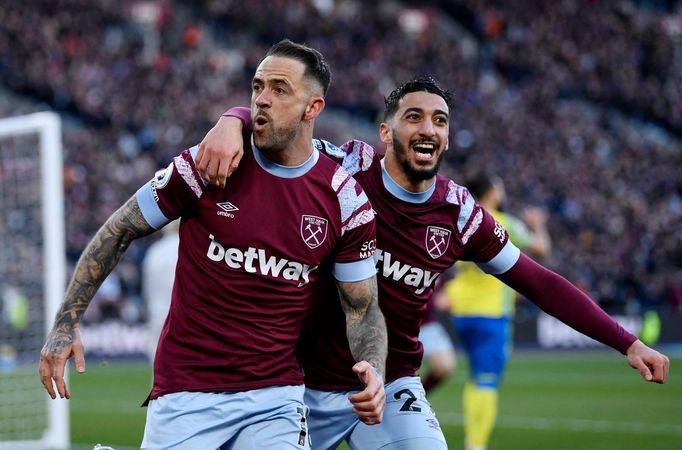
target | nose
[
  {"x": 427, "y": 128},
  {"x": 262, "y": 99}
]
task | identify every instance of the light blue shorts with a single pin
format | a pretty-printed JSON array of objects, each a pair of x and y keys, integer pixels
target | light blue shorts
[
  {"x": 271, "y": 418},
  {"x": 435, "y": 338},
  {"x": 409, "y": 421}
]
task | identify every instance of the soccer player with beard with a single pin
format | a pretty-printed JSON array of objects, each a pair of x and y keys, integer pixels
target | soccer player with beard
[
  {"x": 249, "y": 260},
  {"x": 425, "y": 223}
]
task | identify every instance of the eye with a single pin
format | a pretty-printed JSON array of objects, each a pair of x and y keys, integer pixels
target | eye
[
  {"x": 280, "y": 90},
  {"x": 412, "y": 116},
  {"x": 256, "y": 88},
  {"x": 442, "y": 120}
]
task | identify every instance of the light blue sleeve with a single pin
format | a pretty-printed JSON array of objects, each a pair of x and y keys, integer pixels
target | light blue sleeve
[
  {"x": 149, "y": 207},
  {"x": 355, "y": 271},
  {"x": 503, "y": 261}
]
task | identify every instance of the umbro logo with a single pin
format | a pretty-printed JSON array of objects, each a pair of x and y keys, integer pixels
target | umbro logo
[{"x": 227, "y": 209}]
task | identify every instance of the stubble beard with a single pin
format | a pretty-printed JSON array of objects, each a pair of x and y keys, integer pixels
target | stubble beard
[
  {"x": 413, "y": 172},
  {"x": 276, "y": 138}
]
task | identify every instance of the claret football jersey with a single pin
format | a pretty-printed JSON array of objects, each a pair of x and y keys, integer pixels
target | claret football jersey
[
  {"x": 418, "y": 237},
  {"x": 249, "y": 259}
]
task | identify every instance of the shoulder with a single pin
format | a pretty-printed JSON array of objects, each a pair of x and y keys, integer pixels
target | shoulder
[
  {"x": 457, "y": 197},
  {"x": 466, "y": 214},
  {"x": 454, "y": 193},
  {"x": 184, "y": 166},
  {"x": 344, "y": 186},
  {"x": 355, "y": 208},
  {"x": 355, "y": 156},
  {"x": 339, "y": 177}
]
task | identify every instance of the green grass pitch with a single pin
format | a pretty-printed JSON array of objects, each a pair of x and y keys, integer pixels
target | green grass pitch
[{"x": 550, "y": 400}]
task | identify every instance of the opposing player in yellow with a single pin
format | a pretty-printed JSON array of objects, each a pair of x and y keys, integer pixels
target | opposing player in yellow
[{"x": 482, "y": 308}]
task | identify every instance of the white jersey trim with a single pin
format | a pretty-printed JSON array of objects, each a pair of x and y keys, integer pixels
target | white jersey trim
[
  {"x": 358, "y": 220},
  {"x": 475, "y": 224},
  {"x": 187, "y": 173},
  {"x": 358, "y": 159},
  {"x": 194, "y": 151},
  {"x": 354, "y": 271},
  {"x": 466, "y": 209},
  {"x": 349, "y": 200},
  {"x": 503, "y": 261}
]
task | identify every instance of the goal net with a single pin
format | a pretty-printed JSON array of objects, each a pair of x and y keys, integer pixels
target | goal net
[{"x": 32, "y": 277}]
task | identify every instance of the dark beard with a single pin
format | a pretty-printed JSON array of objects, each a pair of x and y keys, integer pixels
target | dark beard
[{"x": 415, "y": 174}]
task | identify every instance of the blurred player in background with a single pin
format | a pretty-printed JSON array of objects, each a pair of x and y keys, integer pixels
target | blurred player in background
[
  {"x": 440, "y": 357},
  {"x": 482, "y": 308},
  {"x": 158, "y": 275},
  {"x": 225, "y": 372},
  {"x": 425, "y": 223}
]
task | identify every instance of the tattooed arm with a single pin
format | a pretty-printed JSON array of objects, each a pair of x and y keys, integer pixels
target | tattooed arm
[
  {"x": 98, "y": 260},
  {"x": 367, "y": 337}
]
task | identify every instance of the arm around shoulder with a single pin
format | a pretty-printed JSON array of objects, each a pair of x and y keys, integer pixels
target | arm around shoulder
[{"x": 222, "y": 148}]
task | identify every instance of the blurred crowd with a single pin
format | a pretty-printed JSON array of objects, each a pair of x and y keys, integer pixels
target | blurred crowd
[{"x": 577, "y": 104}]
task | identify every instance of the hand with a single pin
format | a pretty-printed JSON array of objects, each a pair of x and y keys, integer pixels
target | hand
[
  {"x": 651, "y": 364},
  {"x": 220, "y": 151},
  {"x": 369, "y": 404},
  {"x": 58, "y": 348}
]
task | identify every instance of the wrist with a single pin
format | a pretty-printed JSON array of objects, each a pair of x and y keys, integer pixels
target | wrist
[
  {"x": 239, "y": 112},
  {"x": 379, "y": 371}
]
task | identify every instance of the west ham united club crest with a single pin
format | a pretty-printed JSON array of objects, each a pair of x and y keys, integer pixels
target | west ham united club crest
[
  {"x": 437, "y": 241},
  {"x": 313, "y": 230}
]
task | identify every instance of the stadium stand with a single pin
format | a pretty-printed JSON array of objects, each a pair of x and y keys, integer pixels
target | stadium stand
[{"x": 577, "y": 104}]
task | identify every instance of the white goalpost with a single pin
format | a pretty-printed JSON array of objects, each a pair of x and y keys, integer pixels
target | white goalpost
[{"x": 32, "y": 278}]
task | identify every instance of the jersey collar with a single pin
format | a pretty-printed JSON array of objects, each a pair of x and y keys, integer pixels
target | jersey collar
[
  {"x": 281, "y": 171},
  {"x": 398, "y": 191}
]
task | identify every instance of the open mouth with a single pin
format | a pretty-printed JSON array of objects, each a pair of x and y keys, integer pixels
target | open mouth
[
  {"x": 424, "y": 150},
  {"x": 260, "y": 122}
]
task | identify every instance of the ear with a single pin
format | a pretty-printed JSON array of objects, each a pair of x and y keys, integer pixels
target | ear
[
  {"x": 385, "y": 134},
  {"x": 314, "y": 108}
]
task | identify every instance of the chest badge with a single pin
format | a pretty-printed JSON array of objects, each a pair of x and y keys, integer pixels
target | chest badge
[
  {"x": 437, "y": 241},
  {"x": 313, "y": 230}
]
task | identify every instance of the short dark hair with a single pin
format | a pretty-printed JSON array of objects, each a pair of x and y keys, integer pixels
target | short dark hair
[
  {"x": 417, "y": 84},
  {"x": 315, "y": 65}
]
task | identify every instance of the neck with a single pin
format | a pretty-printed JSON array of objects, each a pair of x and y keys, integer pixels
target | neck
[
  {"x": 295, "y": 153},
  {"x": 398, "y": 174}
]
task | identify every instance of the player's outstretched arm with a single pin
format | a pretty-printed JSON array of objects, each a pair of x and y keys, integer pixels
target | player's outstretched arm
[
  {"x": 222, "y": 148},
  {"x": 653, "y": 366},
  {"x": 558, "y": 297},
  {"x": 98, "y": 260},
  {"x": 367, "y": 337}
]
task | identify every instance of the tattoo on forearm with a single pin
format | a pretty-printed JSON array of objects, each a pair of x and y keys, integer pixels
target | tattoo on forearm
[
  {"x": 96, "y": 262},
  {"x": 365, "y": 325}
]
